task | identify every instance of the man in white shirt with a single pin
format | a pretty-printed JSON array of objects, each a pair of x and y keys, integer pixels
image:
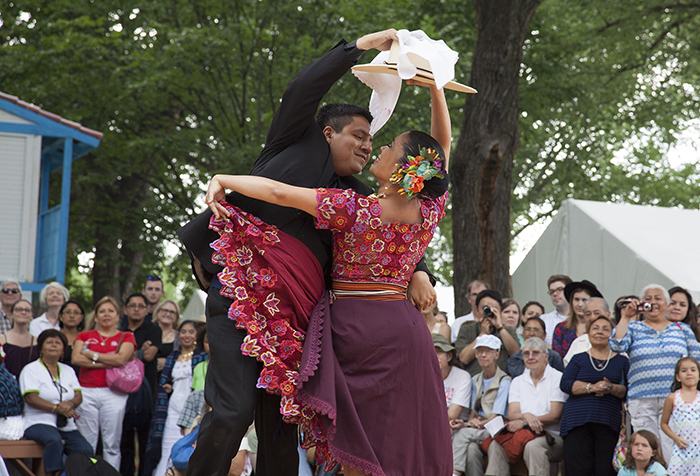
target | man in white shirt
[
  {"x": 555, "y": 289},
  {"x": 593, "y": 308},
  {"x": 473, "y": 290}
]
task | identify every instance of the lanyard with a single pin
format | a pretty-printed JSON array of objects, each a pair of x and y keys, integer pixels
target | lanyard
[{"x": 56, "y": 384}]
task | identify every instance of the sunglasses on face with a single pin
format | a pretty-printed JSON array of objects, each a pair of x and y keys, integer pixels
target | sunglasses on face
[{"x": 10, "y": 291}]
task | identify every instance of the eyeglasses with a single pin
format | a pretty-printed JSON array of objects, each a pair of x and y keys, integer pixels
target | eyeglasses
[
  {"x": 10, "y": 291},
  {"x": 555, "y": 291},
  {"x": 137, "y": 306},
  {"x": 534, "y": 353},
  {"x": 153, "y": 277},
  {"x": 533, "y": 330},
  {"x": 25, "y": 310},
  {"x": 168, "y": 311}
]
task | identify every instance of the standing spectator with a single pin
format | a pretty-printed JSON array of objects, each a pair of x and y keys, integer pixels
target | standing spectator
[
  {"x": 10, "y": 293},
  {"x": 72, "y": 318},
  {"x": 534, "y": 327},
  {"x": 473, "y": 290},
  {"x": 175, "y": 387},
  {"x": 555, "y": 289},
  {"x": 139, "y": 406},
  {"x": 484, "y": 325},
  {"x": 167, "y": 317},
  {"x": 154, "y": 292},
  {"x": 535, "y": 401},
  {"x": 435, "y": 326},
  {"x": 532, "y": 309},
  {"x": 52, "y": 393},
  {"x": 576, "y": 294},
  {"x": 592, "y": 309},
  {"x": 199, "y": 373},
  {"x": 511, "y": 317},
  {"x": 595, "y": 381},
  {"x": 620, "y": 304},
  {"x": 683, "y": 309},
  {"x": 654, "y": 345},
  {"x": 95, "y": 350},
  {"x": 457, "y": 382},
  {"x": 52, "y": 297},
  {"x": 489, "y": 400},
  {"x": 19, "y": 345}
]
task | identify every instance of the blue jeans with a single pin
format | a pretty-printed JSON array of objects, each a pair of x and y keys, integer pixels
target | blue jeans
[{"x": 52, "y": 438}]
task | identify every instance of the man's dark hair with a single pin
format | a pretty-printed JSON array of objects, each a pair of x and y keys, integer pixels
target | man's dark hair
[
  {"x": 493, "y": 294},
  {"x": 558, "y": 277},
  {"x": 339, "y": 115},
  {"x": 135, "y": 295}
]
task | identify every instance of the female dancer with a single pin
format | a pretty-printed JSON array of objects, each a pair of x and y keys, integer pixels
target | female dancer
[{"x": 368, "y": 390}]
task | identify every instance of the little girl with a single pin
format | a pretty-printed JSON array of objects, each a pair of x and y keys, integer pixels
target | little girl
[
  {"x": 643, "y": 456},
  {"x": 684, "y": 406}
]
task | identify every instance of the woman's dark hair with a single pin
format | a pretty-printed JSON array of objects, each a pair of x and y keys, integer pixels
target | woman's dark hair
[
  {"x": 692, "y": 317},
  {"x": 47, "y": 334},
  {"x": 617, "y": 311},
  {"x": 82, "y": 311},
  {"x": 416, "y": 140},
  {"x": 676, "y": 385},
  {"x": 529, "y": 304},
  {"x": 653, "y": 443},
  {"x": 188, "y": 322},
  {"x": 201, "y": 334}
]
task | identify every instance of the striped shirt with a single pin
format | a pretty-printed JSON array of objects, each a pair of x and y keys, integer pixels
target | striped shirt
[{"x": 653, "y": 356}]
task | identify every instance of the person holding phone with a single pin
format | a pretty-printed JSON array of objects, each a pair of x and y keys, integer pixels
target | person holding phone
[{"x": 487, "y": 321}]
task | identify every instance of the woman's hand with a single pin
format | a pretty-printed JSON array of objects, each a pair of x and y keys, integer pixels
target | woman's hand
[
  {"x": 475, "y": 423},
  {"x": 66, "y": 409},
  {"x": 160, "y": 364},
  {"x": 457, "y": 424},
  {"x": 680, "y": 442},
  {"x": 216, "y": 193},
  {"x": 168, "y": 387},
  {"x": 630, "y": 310}
]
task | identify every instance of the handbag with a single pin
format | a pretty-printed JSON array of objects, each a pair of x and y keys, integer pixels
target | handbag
[
  {"x": 620, "y": 453},
  {"x": 128, "y": 377},
  {"x": 11, "y": 406}
]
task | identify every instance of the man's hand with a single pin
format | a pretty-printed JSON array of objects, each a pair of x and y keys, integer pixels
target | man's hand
[
  {"x": 380, "y": 40},
  {"x": 420, "y": 292}
]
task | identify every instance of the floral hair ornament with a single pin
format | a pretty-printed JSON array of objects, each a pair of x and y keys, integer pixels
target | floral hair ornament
[{"x": 412, "y": 174}]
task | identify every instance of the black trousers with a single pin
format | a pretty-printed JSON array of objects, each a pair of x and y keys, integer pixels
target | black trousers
[
  {"x": 137, "y": 422},
  {"x": 235, "y": 400},
  {"x": 588, "y": 449}
]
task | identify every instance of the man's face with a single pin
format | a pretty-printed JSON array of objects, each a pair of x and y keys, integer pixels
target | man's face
[
  {"x": 476, "y": 289},
  {"x": 351, "y": 147},
  {"x": 556, "y": 293},
  {"x": 593, "y": 309},
  {"x": 487, "y": 301},
  {"x": 137, "y": 309},
  {"x": 9, "y": 294},
  {"x": 486, "y": 355},
  {"x": 153, "y": 292}
]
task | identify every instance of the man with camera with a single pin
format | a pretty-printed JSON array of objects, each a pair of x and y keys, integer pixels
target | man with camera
[{"x": 487, "y": 321}]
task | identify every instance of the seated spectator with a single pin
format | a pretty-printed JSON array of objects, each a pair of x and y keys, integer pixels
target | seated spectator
[
  {"x": 52, "y": 393},
  {"x": 489, "y": 400},
  {"x": 681, "y": 308},
  {"x": 11, "y": 405},
  {"x": 458, "y": 385},
  {"x": 576, "y": 294},
  {"x": 52, "y": 297},
  {"x": 17, "y": 343},
  {"x": 10, "y": 293},
  {"x": 434, "y": 326},
  {"x": 441, "y": 316},
  {"x": 534, "y": 327},
  {"x": 592, "y": 309},
  {"x": 511, "y": 317},
  {"x": 555, "y": 288},
  {"x": 535, "y": 402},
  {"x": 72, "y": 319},
  {"x": 473, "y": 290},
  {"x": 483, "y": 325},
  {"x": 595, "y": 381}
]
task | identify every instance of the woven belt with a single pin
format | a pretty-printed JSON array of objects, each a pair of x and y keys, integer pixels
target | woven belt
[{"x": 367, "y": 291}]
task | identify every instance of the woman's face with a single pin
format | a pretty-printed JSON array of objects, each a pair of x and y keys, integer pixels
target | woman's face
[
  {"x": 71, "y": 316},
  {"x": 107, "y": 316},
  {"x": 532, "y": 311},
  {"x": 167, "y": 314},
  {"x": 385, "y": 163},
  {"x": 599, "y": 332},
  {"x": 659, "y": 306},
  {"x": 510, "y": 316},
  {"x": 22, "y": 313},
  {"x": 678, "y": 308},
  {"x": 578, "y": 300},
  {"x": 54, "y": 297},
  {"x": 52, "y": 347},
  {"x": 535, "y": 359},
  {"x": 188, "y": 335},
  {"x": 533, "y": 329}
]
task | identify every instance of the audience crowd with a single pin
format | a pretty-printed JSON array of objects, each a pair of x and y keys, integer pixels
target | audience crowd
[{"x": 525, "y": 390}]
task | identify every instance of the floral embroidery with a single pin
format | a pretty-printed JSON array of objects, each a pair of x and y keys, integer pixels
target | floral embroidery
[{"x": 267, "y": 277}]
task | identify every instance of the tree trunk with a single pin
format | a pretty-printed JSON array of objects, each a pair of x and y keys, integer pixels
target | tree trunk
[{"x": 482, "y": 162}]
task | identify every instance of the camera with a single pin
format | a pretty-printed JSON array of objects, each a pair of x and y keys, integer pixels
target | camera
[
  {"x": 641, "y": 307},
  {"x": 488, "y": 312},
  {"x": 61, "y": 420}
]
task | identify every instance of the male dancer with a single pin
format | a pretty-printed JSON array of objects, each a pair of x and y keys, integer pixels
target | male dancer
[{"x": 301, "y": 151}]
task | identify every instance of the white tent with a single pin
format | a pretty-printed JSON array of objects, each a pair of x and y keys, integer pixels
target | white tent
[
  {"x": 619, "y": 247},
  {"x": 195, "y": 307}
]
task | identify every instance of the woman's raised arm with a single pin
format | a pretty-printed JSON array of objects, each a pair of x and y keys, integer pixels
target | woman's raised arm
[
  {"x": 260, "y": 188},
  {"x": 440, "y": 124}
]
